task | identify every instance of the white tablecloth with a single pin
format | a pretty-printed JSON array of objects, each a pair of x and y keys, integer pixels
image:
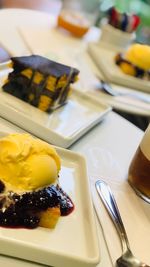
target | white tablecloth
[
  {"x": 111, "y": 137},
  {"x": 115, "y": 138}
]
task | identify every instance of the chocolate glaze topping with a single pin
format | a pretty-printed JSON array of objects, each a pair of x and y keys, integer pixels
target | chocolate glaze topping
[{"x": 43, "y": 65}]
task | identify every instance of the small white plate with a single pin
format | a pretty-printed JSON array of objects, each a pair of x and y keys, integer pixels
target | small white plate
[
  {"x": 63, "y": 126},
  {"x": 104, "y": 59},
  {"x": 89, "y": 84},
  {"x": 74, "y": 241}
]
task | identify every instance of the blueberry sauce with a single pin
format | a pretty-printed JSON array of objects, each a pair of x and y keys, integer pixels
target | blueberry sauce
[
  {"x": 23, "y": 210},
  {"x": 66, "y": 204}
]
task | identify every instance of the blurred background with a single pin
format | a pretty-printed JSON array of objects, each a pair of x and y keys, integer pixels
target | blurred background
[
  {"x": 140, "y": 7},
  {"x": 49, "y": 6}
]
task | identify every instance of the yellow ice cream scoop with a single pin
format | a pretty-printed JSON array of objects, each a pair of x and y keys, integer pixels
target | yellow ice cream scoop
[
  {"x": 27, "y": 163},
  {"x": 139, "y": 55}
]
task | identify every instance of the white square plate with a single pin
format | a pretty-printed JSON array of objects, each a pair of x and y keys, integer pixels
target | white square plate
[
  {"x": 74, "y": 240},
  {"x": 67, "y": 124},
  {"x": 63, "y": 126},
  {"x": 104, "y": 59}
]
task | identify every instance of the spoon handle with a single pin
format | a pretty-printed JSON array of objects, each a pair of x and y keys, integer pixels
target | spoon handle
[{"x": 110, "y": 204}]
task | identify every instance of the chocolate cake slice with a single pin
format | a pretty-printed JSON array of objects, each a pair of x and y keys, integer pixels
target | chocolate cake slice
[{"x": 39, "y": 81}]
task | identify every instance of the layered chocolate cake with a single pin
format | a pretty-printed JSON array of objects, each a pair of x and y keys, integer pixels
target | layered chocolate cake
[
  {"x": 39, "y": 81},
  {"x": 30, "y": 194}
]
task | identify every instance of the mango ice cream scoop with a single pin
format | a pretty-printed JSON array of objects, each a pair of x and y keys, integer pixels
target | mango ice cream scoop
[
  {"x": 27, "y": 163},
  {"x": 139, "y": 55}
]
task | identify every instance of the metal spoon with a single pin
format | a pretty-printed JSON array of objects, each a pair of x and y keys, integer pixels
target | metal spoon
[
  {"x": 127, "y": 259},
  {"x": 106, "y": 87}
]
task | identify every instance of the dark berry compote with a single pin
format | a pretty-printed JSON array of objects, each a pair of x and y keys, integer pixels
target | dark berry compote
[{"x": 23, "y": 210}]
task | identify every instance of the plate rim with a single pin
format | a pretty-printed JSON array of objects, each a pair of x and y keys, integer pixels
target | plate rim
[
  {"x": 23, "y": 120},
  {"x": 122, "y": 79},
  {"x": 84, "y": 261}
]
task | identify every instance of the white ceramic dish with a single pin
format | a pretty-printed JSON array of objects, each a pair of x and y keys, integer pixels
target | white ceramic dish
[
  {"x": 89, "y": 84},
  {"x": 104, "y": 59},
  {"x": 121, "y": 103},
  {"x": 74, "y": 240},
  {"x": 63, "y": 126}
]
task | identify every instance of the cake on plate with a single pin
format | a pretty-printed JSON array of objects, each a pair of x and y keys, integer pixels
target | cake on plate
[{"x": 40, "y": 81}]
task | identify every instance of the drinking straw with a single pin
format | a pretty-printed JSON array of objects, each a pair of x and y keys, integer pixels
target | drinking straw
[
  {"x": 123, "y": 21},
  {"x": 136, "y": 22}
]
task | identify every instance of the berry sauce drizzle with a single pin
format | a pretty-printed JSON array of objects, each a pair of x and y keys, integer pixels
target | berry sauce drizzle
[
  {"x": 66, "y": 204},
  {"x": 22, "y": 210}
]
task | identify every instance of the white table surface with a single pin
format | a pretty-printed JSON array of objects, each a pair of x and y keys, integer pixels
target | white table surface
[{"x": 113, "y": 134}]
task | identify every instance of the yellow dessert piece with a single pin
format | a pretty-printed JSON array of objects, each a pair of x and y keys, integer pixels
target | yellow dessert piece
[
  {"x": 51, "y": 83},
  {"x": 139, "y": 55},
  {"x": 49, "y": 218},
  {"x": 27, "y": 73},
  {"x": 127, "y": 68},
  {"x": 44, "y": 102},
  {"x": 27, "y": 163},
  {"x": 74, "y": 22}
]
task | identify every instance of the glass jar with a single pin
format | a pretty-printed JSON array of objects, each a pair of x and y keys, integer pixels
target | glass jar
[
  {"x": 77, "y": 16},
  {"x": 139, "y": 169}
]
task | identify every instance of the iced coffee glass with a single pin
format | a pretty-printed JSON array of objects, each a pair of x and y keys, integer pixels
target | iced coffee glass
[{"x": 139, "y": 170}]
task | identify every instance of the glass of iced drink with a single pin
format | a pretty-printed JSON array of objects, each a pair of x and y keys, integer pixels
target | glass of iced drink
[{"x": 139, "y": 169}]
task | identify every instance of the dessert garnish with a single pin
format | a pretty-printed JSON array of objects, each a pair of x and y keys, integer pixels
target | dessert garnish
[{"x": 123, "y": 21}]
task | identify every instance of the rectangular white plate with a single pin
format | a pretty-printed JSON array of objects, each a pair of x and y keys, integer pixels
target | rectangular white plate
[
  {"x": 73, "y": 243},
  {"x": 63, "y": 126},
  {"x": 104, "y": 59}
]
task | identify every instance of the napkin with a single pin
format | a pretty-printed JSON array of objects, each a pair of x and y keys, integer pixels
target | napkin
[{"x": 135, "y": 212}]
